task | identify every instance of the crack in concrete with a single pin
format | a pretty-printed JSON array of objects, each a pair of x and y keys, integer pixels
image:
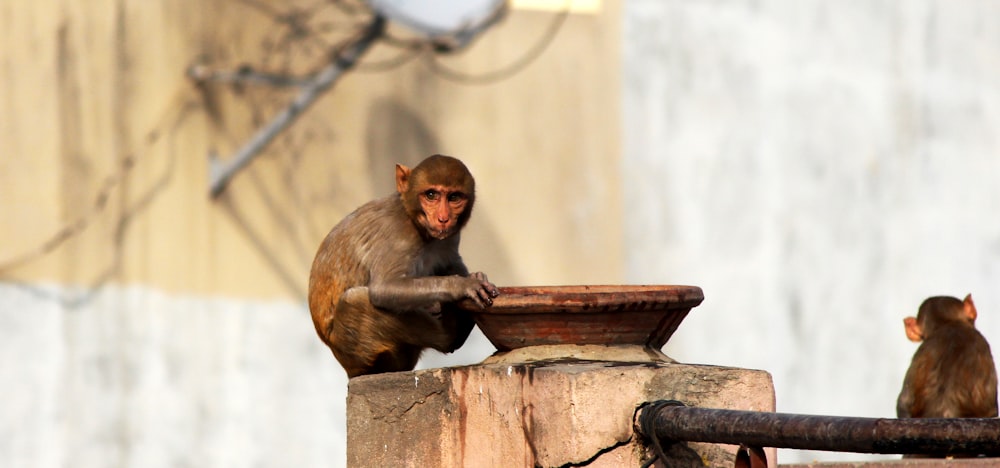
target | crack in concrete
[
  {"x": 395, "y": 412},
  {"x": 592, "y": 459}
]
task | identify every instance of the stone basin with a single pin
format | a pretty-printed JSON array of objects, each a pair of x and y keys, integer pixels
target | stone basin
[{"x": 614, "y": 315}]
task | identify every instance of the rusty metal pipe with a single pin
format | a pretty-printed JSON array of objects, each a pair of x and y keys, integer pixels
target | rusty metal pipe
[{"x": 669, "y": 421}]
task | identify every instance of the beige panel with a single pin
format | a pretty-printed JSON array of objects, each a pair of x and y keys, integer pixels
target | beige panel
[{"x": 103, "y": 175}]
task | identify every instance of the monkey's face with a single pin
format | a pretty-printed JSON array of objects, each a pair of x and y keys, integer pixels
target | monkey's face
[
  {"x": 437, "y": 194},
  {"x": 442, "y": 209}
]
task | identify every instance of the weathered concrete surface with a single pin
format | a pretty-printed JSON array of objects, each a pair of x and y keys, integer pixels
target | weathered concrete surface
[
  {"x": 547, "y": 413},
  {"x": 580, "y": 352}
]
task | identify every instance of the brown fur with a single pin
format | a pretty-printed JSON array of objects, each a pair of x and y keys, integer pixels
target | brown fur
[
  {"x": 952, "y": 374},
  {"x": 385, "y": 278}
]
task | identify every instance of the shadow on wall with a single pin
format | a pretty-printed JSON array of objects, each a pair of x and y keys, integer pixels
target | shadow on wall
[{"x": 395, "y": 134}]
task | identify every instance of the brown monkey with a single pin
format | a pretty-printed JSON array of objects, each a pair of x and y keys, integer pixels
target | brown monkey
[
  {"x": 952, "y": 374},
  {"x": 385, "y": 279}
]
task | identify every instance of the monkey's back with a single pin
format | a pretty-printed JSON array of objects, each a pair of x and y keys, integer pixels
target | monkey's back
[
  {"x": 354, "y": 247},
  {"x": 955, "y": 375}
]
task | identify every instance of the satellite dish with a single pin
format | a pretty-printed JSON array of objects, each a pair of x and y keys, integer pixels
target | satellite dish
[{"x": 451, "y": 24}]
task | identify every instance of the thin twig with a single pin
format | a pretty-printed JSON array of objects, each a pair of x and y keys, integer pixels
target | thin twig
[
  {"x": 222, "y": 171},
  {"x": 244, "y": 75},
  {"x": 510, "y": 69}
]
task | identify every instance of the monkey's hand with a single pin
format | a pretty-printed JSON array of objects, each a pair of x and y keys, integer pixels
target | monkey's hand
[{"x": 483, "y": 292}]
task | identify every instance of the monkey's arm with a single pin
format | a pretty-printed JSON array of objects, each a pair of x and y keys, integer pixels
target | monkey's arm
[
  {"x": 913, "y": 396},
  {"x": 904, "y": 401},
  {"x": 428, "y": 292}
]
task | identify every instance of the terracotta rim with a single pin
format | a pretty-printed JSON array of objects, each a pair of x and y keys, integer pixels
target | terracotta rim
[{"x": 590, "y": 298}]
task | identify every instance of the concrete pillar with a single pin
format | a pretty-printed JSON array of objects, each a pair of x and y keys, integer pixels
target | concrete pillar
[{"x": 557, "y": 411}]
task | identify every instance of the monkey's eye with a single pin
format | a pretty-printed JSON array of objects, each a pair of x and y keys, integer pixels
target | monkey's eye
[
  {"x": 456, "y": 196},
  {"x": 431, "y": 194}
]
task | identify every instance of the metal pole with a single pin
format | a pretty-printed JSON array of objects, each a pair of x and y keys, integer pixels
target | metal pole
[
  {"x": 221, "y": 172},
  {"x": 668, "y": 421}
]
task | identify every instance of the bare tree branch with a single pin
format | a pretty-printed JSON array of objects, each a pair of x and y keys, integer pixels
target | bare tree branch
[{"x": 220, "y": 172}]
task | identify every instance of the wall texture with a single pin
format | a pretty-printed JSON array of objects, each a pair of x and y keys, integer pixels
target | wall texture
[
  {"x": 136, "y": 377},
  {"x": 143, "y": 323},
  {"x": 105, "y": 169},
  {"x": 818, "y": 168}
]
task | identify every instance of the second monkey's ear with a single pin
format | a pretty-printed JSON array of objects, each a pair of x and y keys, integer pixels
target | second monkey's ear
[
  {"x": 402, "y": 178},
  {"x": 913, "y": 330},
  {"x": 970, "y": 308}
]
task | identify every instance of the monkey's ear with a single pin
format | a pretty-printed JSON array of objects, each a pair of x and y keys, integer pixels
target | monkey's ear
[
  {"x": 913, "y": 331},
  {"x": 970, "y": 308},
  {"x": 402, "y": 178}
]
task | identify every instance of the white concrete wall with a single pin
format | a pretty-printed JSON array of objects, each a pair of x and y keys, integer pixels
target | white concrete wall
[
  {"x": 133, "y": 377},
  {"x": 819, "y": 168}
]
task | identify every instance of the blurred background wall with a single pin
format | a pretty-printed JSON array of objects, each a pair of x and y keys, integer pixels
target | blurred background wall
[
  {"x": 818, "y": 168},
  {"x": 143, "y": 323}
]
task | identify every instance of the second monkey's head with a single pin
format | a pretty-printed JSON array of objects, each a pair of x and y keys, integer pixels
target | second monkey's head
[{"x": 438, "y": 195}]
